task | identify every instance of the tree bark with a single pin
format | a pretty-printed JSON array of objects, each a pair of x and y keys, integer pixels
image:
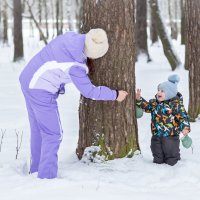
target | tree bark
[
  {"x": 193, "y": 56},
  {"x": 111, "y": 125},
  {"x": 169, "y": 52},
  {"x": 141, "y": 28},
  {"x": 18, "y": 37}
]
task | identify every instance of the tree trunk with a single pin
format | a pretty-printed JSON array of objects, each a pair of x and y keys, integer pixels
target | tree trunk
[
  {"x": 18, "y": 37},
  {"x": 5, "y": 23},
  {"x": 0, "y": 11},
  {"x": 153, "y": 31},
  {"x": 111, "y": 125},
  {"x": 46, "y": 18},
  {"x": 59, "y": 16},
  {"x": 141, "y": 28},
  {"x": 69, "y": 15},
  {"x": 169, "y": 52},
  {"x": 183, "y": 22},
  {"x": 1, "y": 32},
  {"x": 36, "y": 23},
  {"x": 40, "y": 16},
  {"x": 193, "y": 53},
  {"x": 172, "y": 18},
  {"x": 52, "y": 13},
  {"x": 79, "y": 10}
]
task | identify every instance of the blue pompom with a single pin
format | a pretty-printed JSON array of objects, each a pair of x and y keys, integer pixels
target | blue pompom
[{"x": 174, "y": 78}]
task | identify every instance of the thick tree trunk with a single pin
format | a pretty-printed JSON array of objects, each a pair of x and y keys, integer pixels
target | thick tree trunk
[
  {"x": 193, "y": 56},
  {"x": 18, "y": 38},
  {"x": 5, "y": 22},
  {"x": 169, "y": 52},
  {"x": 141, "y": 28},
  {"x": 111, "y": 125}
]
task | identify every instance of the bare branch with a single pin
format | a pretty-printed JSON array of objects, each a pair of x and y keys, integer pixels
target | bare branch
[
  {"x": 9, "y": 6},
  {"x": 2, "y": 136},
  {"x": 19, "y": 144},
  {"x": 36, "y": 23}
]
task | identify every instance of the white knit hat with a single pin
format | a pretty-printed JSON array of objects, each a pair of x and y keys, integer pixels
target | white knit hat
[{"x": 96, "y": 43}]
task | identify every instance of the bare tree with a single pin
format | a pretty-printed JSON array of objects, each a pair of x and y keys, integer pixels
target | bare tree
[
  {"x": 40, "y": 17},
  {"x": 172, "y": 8},
  {"x": 19, "y": 142},
  {"x": 69, "y": 14},
  {"x": 193, "y": 56},
  {"x": 169, "y": 52},
  {"x": 18, "y": 37},
  {"x": 46, "y": 18},
  {"x": 153, "y": 31},
  {"x": 78, "y": 13},
  {"x": 5, "y": 22},
  {"x": 183, "y": 37},
  {"x": 2, "y": 136},
  {"x": 111, "y": 125},
  {"x": 59, "y": 16},
  {"x": 0, "y": 12},
  {"x": 36, "y": 23},
  {"x": 53, "y": 17},
  {"x": 141, "y": 28}
]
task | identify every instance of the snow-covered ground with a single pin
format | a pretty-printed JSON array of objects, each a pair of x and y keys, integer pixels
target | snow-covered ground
[{"x": 135, "y": 178}]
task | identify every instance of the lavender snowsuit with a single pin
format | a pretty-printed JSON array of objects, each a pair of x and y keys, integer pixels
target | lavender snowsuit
[{"x": 60, "y": 62}]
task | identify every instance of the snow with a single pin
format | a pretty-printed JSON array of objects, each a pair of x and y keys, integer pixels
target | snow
[{"x": 127, "y": 178}]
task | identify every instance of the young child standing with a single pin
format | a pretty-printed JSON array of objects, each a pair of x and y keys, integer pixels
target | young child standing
[{"x": 168, "y": 119}]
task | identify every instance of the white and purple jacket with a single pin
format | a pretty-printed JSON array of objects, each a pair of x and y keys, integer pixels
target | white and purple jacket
[{"x": 60, "y": 62}]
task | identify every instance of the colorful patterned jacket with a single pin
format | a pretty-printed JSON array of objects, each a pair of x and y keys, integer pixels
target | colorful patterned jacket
[{"x": 168, "y": 118}]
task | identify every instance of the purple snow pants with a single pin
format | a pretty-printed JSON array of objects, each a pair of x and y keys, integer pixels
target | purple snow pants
[{"x": 46, "y": 131}]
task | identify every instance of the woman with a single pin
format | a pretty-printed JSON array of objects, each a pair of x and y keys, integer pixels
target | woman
[{"x": 62, "y": 61}]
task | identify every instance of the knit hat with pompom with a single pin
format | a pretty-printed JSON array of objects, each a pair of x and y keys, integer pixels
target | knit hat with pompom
[
  {"x": 170, "y": 87},
  {"x": 96, "y": 43}
]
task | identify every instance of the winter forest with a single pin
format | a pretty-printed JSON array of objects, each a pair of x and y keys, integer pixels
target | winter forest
[{"x": 82, "y": 120}]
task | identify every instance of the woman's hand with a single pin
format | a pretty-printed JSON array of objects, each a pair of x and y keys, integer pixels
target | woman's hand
[
  {"x": 122, "y": 95},
  {"x": 138, "y": 94}
]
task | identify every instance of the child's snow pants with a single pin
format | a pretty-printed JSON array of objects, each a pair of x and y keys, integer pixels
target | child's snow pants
[{"x": 165, "y": 149}]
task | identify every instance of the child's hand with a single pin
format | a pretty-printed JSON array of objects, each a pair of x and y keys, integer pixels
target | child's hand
[
  {"x": 138, "y": 94},
  {"x": 185, "y": 131},
  {"x": 122, "y": 95}
]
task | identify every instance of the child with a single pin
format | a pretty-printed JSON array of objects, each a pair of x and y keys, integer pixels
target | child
[{"x": 168, "y": 119}]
